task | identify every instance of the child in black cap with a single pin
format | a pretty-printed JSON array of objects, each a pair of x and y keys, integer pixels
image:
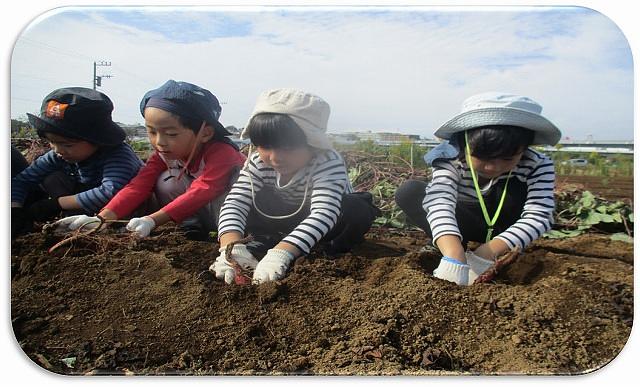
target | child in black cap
[
  {"x": 190, "y": 170},
  {"x": 89, "y": 161}
]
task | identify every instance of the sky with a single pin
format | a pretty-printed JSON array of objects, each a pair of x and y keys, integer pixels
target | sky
[{"x": 402, "y": 69}]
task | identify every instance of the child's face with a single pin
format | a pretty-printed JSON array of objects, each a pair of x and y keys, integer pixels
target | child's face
[
  {"x": 167, "y": 136},
  {"x": 492, "y": 168},
  {"x": 70, "y": 150},
  {"x": 286, "y": 161}
]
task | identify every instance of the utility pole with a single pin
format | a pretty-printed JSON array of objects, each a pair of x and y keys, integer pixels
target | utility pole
[{"x": 97, "y": 79}]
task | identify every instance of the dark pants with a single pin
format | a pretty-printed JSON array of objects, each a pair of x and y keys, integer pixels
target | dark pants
[
  {"x": 18, "y": 164},
  {"x": 59, "y": 184},
  {"x": 53, "y": 186},
  {"x": 356, "y": 217},
  {"x": 410, "y": 194}
]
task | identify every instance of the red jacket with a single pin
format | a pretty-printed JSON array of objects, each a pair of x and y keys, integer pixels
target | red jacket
[{"x": 216, "y": 160}]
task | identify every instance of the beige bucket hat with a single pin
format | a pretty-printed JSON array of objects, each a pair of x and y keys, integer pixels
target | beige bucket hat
[
  {"x": 309, "y": 111},
  {"x": 494, "y": 108}
]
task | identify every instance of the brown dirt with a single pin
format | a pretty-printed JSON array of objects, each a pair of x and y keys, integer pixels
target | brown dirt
[
  {"x": 152, "y": 307},
  {"x": 612, "y": 188}
]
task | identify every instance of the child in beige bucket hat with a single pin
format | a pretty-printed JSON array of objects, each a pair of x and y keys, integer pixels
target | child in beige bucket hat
[
  {"x": 487, "y": 184},
  {"x": 308, "y": 111},
  {"x": 292, "y": 194}
]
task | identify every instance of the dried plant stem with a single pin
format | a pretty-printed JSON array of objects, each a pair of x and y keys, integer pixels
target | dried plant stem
[
  {"x": 626, "y": 225},
  {"x": 79, "y": 234}
]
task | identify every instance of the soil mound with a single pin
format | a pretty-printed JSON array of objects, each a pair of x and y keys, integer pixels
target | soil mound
[{"x": 116, "y": 306}]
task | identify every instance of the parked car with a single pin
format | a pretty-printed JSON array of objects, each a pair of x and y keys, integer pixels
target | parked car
[{"x": 576, "y": 162}]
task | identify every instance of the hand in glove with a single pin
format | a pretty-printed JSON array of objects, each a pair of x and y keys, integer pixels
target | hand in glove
[
  {"x": 477, "y": 265},
  {"x": 75, "y": 222},
  {"x": 44, "y": 209},
  {"x": 273, "y": 266},
  {"x": 141, "y": 226},
  {"x": 224, "y": 269},
  {"x": 452, "y": 270}
]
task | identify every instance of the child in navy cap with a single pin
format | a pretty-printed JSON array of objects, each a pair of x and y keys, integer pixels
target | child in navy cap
[
  {"x": 89, "y": 161},
  {"x": 190, "y": 171}
]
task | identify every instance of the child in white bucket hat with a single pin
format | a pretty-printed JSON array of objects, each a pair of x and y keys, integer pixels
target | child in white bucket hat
[
  {"x": 487, "y": 184},
  {"x": 293, "y": 193}
]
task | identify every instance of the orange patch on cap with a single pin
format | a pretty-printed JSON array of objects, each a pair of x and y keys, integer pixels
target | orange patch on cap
[{"x": 56, "y": 110}]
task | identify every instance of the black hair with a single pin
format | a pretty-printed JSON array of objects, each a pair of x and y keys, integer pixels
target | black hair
[
  {"x": 189, "y": 122},
  {"x": 272, "y": 130},
  {"x": 42, "y": 133},
  {"x": 498, "y": 141},
  {"x": 195, "y": 124}
]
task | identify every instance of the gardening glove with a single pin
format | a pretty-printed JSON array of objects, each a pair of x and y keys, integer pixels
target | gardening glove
[
  {"x": 452, "y": 270},
  {"x": 273, "y": 266},
  {"x": 477, "y": 265},
  {"x": 141, "y": 226},
  {"x": 21, "y": 222},
  {"x": 44, "y": 209},
  {"x": 75, "y": 222},
  {"x": 223, "y": 269}
]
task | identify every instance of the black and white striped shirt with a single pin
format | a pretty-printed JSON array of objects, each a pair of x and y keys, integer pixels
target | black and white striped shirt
[
  {"x": 327, "y": 177},
  {"x": 452, "y": 178}
]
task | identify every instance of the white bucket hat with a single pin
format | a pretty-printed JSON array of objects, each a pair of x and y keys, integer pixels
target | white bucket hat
[
  {"x": 494, "y": 108},
  {"x": 309, "y": 111}
]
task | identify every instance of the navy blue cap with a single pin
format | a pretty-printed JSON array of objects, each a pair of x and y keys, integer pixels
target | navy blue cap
[
  {"x": 186, "y": 100},
  {"x": 80, "y": 113}
]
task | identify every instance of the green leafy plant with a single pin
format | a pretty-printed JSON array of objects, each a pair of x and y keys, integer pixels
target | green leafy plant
[
  {"x": 394, "y": 218},
  {"x": 578, "y": 213},
  {"x": 141, "y": 147}
]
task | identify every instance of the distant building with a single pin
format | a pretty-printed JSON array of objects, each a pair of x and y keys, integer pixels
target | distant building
[
  {"x": 233, "y": 130},
  {"x": 378, "y": 137},
  {"x": 135, "y": 131}
]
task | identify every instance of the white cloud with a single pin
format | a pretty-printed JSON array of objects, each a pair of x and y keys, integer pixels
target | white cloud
[{"x": 403, "y": 71}]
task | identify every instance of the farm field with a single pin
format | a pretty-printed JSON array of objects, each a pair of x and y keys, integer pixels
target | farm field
[
  {"x": 614, "y": 188},
  {"x": 109, "y": 304},
  {"x": 116, "y": 306}
]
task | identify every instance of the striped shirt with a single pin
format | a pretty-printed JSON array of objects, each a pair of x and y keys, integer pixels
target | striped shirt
[
  {"x": 107, "y": 170},
  {"x": 326, "y": 176},
  {"x": 452, "y": 178}
]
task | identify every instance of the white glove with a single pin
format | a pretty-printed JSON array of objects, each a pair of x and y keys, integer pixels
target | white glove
[
  {"x": 452, "y": 270},
  {"x": 141, "y": 226},
  {"x": 273, "y": 266},
  {"x": 74, "y": 222},
  {"x": 477, "y": 265},
  {"x": 223, "y": 269}
]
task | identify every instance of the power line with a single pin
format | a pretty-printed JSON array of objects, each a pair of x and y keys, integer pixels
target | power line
[
  {"x": 21, "y": 75},
  {"x": 55, "y": 49},
  {"x": 97, "y": 81},
  {"x": 25, "y": 99},
  {"x": 137, "y": 78}
]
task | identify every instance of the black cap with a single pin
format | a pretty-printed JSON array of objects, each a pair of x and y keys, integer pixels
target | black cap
[
  {"x": 186, "y": 100},
  {"x": 78, "y": 112}
]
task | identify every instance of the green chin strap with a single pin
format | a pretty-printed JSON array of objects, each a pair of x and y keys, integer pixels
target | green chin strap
[{"x": 490, "y": 221}]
